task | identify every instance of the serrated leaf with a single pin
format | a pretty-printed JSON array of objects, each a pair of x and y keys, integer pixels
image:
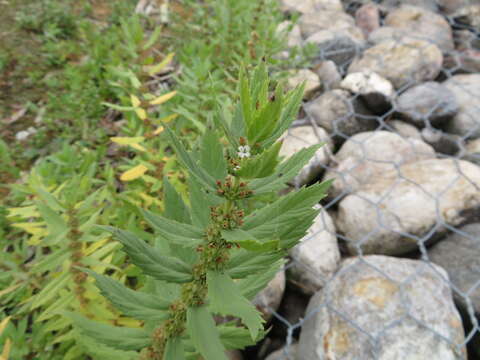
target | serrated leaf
[
  {"x": 248, "y": 241},
  {"x": 261, "y": 165},
  {"x": 50, "y": 290},
  {"x": 134, "y": 173},
  {"x": 204, "y": 334},
  {"x": 163, "y": 98},
  {"x": 121, "y": 338},
  {"x": 243, "y": 264},
  {"x": 175, "y": 208},
  {"x": 253, "y": 284},
  {"x": 211, "y": 156},
  {"x": 132, "y": 303},
  {"x": 226, "y": 299},
  {"x": 150, "y": 260},
  {"x": 174, "y": 349},
  {"x": 234, "y": 337}
]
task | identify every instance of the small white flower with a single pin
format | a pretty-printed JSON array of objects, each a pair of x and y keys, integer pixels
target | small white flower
[
  {"x": 236, "y": 168},
  {"x": 243, "y": 151}
]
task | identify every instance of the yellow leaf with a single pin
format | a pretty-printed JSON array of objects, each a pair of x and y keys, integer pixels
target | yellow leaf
[
  {"x": 163, "y": 98},
  {"x": 25, "y": 211},
  {"x": 127, "y": 140},
  {"x": 94, "y": 246},
  {"x": 152, "y": 70},
  {"x": 4, "y": 324},
  {"x": 134, "y": 173},
  {"x": 158, "y": 131},
  {"x": 34, "y": 228},
  {"x": 135, "y": 101},
  {"x": 6, "y": 350},
  {"x": 6, "y": 291},
  {"x": 169, "y": 118},
  {"x": 142, "y": 114},
  {"x": 138, "y": 147}
]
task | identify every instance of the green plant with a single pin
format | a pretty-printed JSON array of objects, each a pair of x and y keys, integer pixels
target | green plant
[{"x": 212, "y": 256}]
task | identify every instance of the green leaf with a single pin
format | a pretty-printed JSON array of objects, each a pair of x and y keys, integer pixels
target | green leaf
[
  {"x": 51, "y": 290},
  {"x": 204, "y": 334},
  {"x": 150, "y": 260},
  {"x": 226, "y": 299},
  {"x": 246, "y": 99},
  {"x": 253, "y": 284},
  {"x": 56, "y": 225},
  {"x": 286, "y": 171},
  {"x": 175, "y": 208},
  {"x": 199, "y": 202},
  {"x": 261, "y": 165},
  {"x": 234, "y": 337},
  {"x": 243, "y": 264},
  {"x": 174, "y": 349},
  {"x": 132, "y": 303},
  {"x": 248, "y": 241},
  {"x": 211, "y": 156},
  {"x": 121, "y": 338},
  {"x": 188, "y": 161}
]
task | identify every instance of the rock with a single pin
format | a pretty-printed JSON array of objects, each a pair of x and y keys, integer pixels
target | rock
[
  {"x": 367, "y": 18},
  {"x": 292, "y": 310},
  {"x": 309, "y": 6},
  {"x": 450, "y": 6},
  {"x": 403, "y": 62},
  {"x": 313, "y": 22},
  {"x": 288, "y": 352},
  {"x": 383, "y": 308},
  {"x": 24, "y": 134},
  {"x": 301, "y": 137},
  {"x": 459, "y": 255},
  {"x": 468, "y": 16},
  {"x": 466, "y": 88},
  {"x": 316, "y": 257},
  {"x": 368, "y": 155},
  {"x": 312, "y": 82},
  {"x": 268, "y": 300},
  {"x": 328, "y": 73},
  {"x": 420, "y": 24},
  {"x": 442, "y": 142},
  {"x": 404, "y": 129},
  {"x": 390, "y": 5},
  {"x": 429, "y": 102},
  {"x": 340, "y": 114},
  {"x": 292, "y": 32},
  {"x": 234, "y": 355},
  {"x": 473, "y": 151},
  {"x": 376, "y": 91},
  {"x": 340, "y": 46},
  {"x": 388, "y": 213}
]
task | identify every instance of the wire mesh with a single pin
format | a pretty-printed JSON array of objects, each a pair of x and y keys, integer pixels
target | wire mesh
[{"x": 403, "y": 278}]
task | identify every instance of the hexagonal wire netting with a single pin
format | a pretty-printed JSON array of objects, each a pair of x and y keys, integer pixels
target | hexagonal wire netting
[{"x": 391, "y": 268}]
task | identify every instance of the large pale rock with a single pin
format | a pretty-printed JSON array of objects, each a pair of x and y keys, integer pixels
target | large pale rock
[
  {"x": 316, "y": 257},
  {"x": 328, "y": 73},
  {"x": 375, "y": 90},
  {"x": 428, "y": 102},
  {"x": 466, "y": 88},
  {"x": 473, "y": 151},
  {"x": 301, "y": 137},
  {"x": 340, "y": 114},
  {"x": 285, "y": 353},
  {"x": 316, "y": 21},
  {"x": 383, "y": 308},
  {"x": 459, "y": 255},
  {"x": 367, "y": 18},
  {"x": 385, "y": 215},
  {"x": 268, "y": 300},
  {"x": 309, "y": 6},
  {"x": 368, "y": 155},
  {"x": 419, "y": 23},
  {"x": 404, "y": 129},
  {"x": 312, "y": 81},
  {"x": 404, "y": 62},
  {"x": 468, "y": 15},
  {"x": 292, "y": 32}
]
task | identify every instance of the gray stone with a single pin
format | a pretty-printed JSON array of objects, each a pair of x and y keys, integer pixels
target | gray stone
[
  {"x": 466, "y": 88},
  {"x": 268, "y": 300},
  {"x": 301, "y": 137},
  {"x": 441, "y": 141},
  {"x": 428, "y": 102},
  {"x": 309, "y": 6},
  {"x": 420, "y": 24},
  {"x": 285, "y": 353},
  {"x": 313, "y": 22},
  {"x": 328, "y": 73},
  {"x": 403, "y": 62},
  {"x": 468, "y": 15},
  {"x": 450, "y": 6},
  {"x": 367, "y": 18},
  {"x": 383, "y": 308},
  {"x": 368, "y": 155},
  {"x": 292, "y": 33},
  {"x": 376, "y": 91},
  {"x": 340, "y": 114},
  {"x": 234, "y": 355},
  {"x": 404, "y": 129},
  {"x": 473, "y": 151},
  {"x": 385, "y": 215},
  {"x": 316, "y": 257},
  {"x": 312, "y": 81},
  {"x": 459, "y": 255}
]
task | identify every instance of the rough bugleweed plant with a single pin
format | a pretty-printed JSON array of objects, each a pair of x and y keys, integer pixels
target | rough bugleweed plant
[{"x": 213, "y": 255}]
